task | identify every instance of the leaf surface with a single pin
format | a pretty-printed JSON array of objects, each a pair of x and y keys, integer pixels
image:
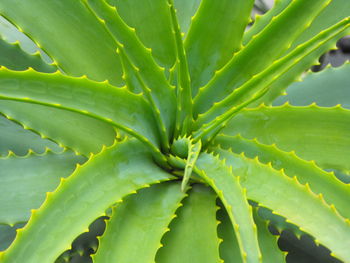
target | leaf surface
[
  {"x": 100, "y": 100},
  {"x": 215, "y": 35},
  {"x": 26, "y": 179},
  {"x": 192, "y": 236},
  {"x": 287, "y": 197},
  {"x": 321, "y": 182},
  {"x": 134, "y": 232},
  {"x": 327, "y": 88},
  {"x": 72, "y": 22},
  {"x": 306, "y": 130},
  {"x": 233, "y": 196},
  {"x": 269, "y": 45},
  {"x": 16, "y": 139},
  {"x": 103, "y": 180},
  {"x": 79, "y": 132}
]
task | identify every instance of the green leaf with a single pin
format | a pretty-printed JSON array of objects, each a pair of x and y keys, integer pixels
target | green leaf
[
  {"x": 214, "y": 36},
  {"x": 194, "y": 149},
  {"x": 51, "y": 25},
  {"x": 307, "y": 130},
  {"x": 184, "y": 116},
  {"x": 333, "y": 190},
  {"x": 261, "y": 21},
  {"x": 229, "y": 249},
  {"x": 266, "y": 47},
  {"x": 185, "y": 11},
  {"x": 7, "y": 235},
  {"x": 327, "y": 88},
  {"x": 79, "y": 132},
  {"x": 85, "y": 195},
  {"x": 233, "y": 196},
  {"x": 153, "y": 30},
  {"x": 192, "y": 236},
  {"x": 13, "y": 57},
  {"x": 18, "y": 140},
  {"x": 274, "y": 72},
  {"x": 134, "y": 232},
  {"x": 287, "y": 197},
  {"x": 25, "y": 181},
  {"x": 162, "y": 94},
  {"x": 100, "y": 100},
  {"x": 333, "y": 13}
]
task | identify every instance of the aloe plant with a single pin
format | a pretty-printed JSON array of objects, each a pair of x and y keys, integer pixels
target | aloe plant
[{"x": 161, "y": 116}]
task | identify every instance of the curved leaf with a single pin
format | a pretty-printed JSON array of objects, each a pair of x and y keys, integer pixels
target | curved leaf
[
  {"x": 287, "y": 197},
  {"x": 13, "y": 57},
  {"x": 153, "y": 30},
  {"x": 333, "y": 190},
  {"x": 100, "y": 100},
  {"x": 327, "y": 88},
  {"x": 25, "y": 181},
  {"x": 134, "y": 232},
  {"x": 161, "y": 92},
  {"x": 185, "y": 11},
  {"x": 214, "y": 36},
  {"x": 192, "y": 236},
  {"x": 319, "y": 134},
  {"x": 233, "y": 196},
  {"x": 84, "y": 196},
  {"x": 266, "y": 47},
  {"x": 37, "y": 18},
  {"x": 16, "y": 139},
  {"x": 79, "y": 132}
]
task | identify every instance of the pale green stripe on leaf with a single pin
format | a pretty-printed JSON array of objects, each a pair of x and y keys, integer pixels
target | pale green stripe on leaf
[
  {"x": 134, "y": 232},
  {"x": 314, "y": 133},
  {"x": 321, "y": 182},
  {"x": 214, "y": 36},
  {"x": 233, "y": 196},
  {"x": 266, "y": 47},
  {"x": 52, "y": 27},
  {"x": 79, "y": 132},
  {"x": 100, "y": 100},
  {"x": 287, "y": 197},
  {"x": 327, "y": 88},
  {"x": 14, "y": 138},
  {"x": 152, "y": 22},
  {"x": 103, "y": 180},
  {"x": 152, "y": 74},
  {"x": 192, "y": 236},
  {"x": 274, "y": 72},
  {"x": 26, "y": 179},
  {"x": 194, "y": 149}
]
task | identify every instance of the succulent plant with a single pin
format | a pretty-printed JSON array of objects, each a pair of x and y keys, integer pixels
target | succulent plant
[{"x": 169, "y": 119}]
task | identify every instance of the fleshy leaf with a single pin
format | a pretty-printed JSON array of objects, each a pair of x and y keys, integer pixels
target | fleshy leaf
[
  {"x": 327, "y": 88},
  {"x": 192, "y": 236},
  {"x": 38, "y": 18},
  {"x": 103, "y": 180},
  {"x": 134, "y": 232},
  {"x": 266, "y": 47},
  {"x": 153, "y": 30},
  {"x": 26, "y": 179},
  {"x": 214, "y": 36},
  {"x": 116, "y": 106},
  {"x": 18, "y": 140},
  {"x": 333, "y": 190},
  {"x": 233, "y": 196},
  {"x": 79, "y": 132},
  {"x": 307, "y": 130},
  {"x": 287, "y": 197}
]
